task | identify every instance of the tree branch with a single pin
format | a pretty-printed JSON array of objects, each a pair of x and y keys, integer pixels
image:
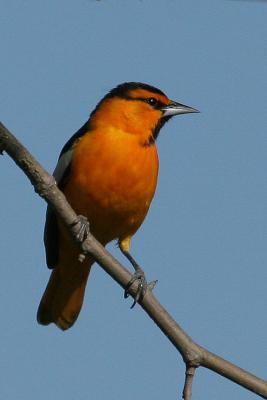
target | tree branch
[
  {"x": 189, "y": 376},
  {"x": 193, "y": 355}
]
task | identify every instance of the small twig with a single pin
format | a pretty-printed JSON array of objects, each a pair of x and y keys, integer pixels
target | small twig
[{"x": 189, "y": 376}]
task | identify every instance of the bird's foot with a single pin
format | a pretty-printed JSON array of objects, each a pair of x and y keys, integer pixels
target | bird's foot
[
  {"x": 83, "y": 228},
  {"x": 143, "y": 286}
]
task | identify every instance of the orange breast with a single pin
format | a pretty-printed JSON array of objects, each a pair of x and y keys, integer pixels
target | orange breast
[{"x": 112, "y": 182}]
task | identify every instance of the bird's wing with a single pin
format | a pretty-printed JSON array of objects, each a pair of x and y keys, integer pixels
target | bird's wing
[{"x": 61, "y": 173}]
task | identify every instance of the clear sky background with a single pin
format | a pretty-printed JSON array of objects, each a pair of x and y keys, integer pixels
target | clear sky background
[{"x": 205, "y": 238}]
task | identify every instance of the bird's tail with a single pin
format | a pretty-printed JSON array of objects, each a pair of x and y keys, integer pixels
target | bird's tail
[{"x": 63, "y": 297}]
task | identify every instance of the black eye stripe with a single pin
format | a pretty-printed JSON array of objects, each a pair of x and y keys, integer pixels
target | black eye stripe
[{"x": 152, "y": 101}]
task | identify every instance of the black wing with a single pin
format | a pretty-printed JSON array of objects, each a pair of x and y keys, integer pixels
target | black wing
[{"x": 61, "y": 173}]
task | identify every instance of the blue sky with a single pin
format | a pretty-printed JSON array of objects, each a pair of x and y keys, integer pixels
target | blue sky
[{"x": 205, "y": 236}]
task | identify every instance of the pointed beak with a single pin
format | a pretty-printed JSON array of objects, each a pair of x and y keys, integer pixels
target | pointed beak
[{"x": 174, "y": 108}]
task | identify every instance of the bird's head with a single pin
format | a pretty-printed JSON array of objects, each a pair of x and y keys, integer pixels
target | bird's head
[{"x": 137, "y": 108}]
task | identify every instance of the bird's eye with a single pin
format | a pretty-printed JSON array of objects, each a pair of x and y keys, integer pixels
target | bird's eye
[{"x": 152, "y": 101}]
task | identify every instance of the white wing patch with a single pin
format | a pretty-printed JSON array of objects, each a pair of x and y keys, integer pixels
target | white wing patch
[{"x": 63, "y": 163}]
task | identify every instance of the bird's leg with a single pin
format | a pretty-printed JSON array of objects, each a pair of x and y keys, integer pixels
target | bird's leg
[{"x": 139, "y": 274}]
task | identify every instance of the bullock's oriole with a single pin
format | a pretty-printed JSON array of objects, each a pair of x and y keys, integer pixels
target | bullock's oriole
[{"x": 108, "y": 173}]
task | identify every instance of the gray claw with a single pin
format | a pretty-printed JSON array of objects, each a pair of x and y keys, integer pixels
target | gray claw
[
  {"x": 143, "y": 286},
  {"x": 84, "y": 228}
]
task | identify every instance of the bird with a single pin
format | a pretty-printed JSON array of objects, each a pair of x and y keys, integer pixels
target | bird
[{"x": 108, "y": 172}]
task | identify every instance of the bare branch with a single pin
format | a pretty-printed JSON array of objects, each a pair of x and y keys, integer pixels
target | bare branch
[
  {"x": 189, "y": 376},
  {"x": 192, "y": 354}
]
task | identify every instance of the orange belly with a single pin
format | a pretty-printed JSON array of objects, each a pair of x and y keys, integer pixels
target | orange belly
[{"x": 112, "y": 182}]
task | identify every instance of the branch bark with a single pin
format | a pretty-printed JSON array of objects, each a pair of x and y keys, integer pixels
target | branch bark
[{"x": 193, "y": 354}]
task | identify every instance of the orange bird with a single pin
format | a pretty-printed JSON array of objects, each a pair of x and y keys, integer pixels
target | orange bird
[{"x": 108, "y": 172}]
